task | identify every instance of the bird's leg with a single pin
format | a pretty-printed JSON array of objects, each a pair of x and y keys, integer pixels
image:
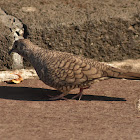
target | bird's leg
[
  {"x": 61, "y": 96},
  {"x": 80, "y": 93}
]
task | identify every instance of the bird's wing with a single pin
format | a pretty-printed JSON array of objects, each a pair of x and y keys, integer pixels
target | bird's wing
[{"x": 75, "y": 71}]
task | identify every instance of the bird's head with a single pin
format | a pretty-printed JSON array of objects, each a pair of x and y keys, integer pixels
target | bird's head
[{"x": 18, "y": 46}]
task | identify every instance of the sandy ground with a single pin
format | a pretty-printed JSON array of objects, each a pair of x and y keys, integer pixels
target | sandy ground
[{"x": 107, "y": 111}]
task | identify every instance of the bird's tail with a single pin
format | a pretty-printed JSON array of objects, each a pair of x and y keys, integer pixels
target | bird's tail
[{"x": 118, "y": 73}]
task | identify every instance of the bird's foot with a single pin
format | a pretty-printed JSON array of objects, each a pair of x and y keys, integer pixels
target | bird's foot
[
  {"x": 61, "y": 96},
  {"x": 78, "y": 95}
]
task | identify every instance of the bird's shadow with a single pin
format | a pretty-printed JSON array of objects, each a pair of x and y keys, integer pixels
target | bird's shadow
[{"x": 40, "y": 94}]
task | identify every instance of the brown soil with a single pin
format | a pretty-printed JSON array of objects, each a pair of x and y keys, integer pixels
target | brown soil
[
  {"x": 107, "y": 111},
  {"x": 103, "y": 30}
]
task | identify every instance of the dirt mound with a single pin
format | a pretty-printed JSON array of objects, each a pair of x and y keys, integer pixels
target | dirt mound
[{"x": 102, "y": 30}]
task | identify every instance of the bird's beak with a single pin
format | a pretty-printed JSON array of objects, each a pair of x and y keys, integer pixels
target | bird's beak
[{"x": 10, "y": 51}]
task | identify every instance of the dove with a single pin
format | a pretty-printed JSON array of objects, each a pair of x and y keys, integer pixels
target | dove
[{"x": 65, "y": 71}]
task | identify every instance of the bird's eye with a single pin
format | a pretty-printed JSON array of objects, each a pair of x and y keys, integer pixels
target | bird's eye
[{"x": 15, "y": 46}]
